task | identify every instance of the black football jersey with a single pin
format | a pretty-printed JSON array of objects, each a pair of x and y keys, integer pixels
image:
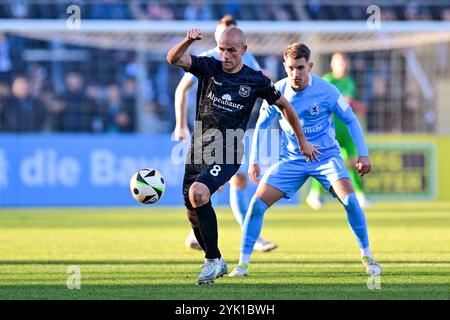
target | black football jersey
[{"x": 225, "y": 101}]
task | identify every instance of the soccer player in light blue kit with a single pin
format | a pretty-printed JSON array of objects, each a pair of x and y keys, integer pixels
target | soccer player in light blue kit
[
  {"x": 315, "y": 100},
  {"x": 238, "y": 184}
]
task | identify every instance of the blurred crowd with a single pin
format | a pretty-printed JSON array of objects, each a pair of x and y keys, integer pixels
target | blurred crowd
[
  {"x": 29, "y": 107},
  {"x": 213, "y": 10},
  {"x": 98, "y": 91}
]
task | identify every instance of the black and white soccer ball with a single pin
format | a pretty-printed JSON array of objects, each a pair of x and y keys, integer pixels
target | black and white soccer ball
[{"x": 147, "y": 186}]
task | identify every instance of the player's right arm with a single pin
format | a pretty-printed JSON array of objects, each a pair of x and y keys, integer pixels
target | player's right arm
[
  {"x": 306, "y": 148},
  {"x": 177, "y": 56},
  {"x": 181, "y": 131}
]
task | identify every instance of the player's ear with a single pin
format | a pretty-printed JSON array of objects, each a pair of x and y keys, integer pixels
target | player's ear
[
  {"x": 244, "y": 49},
  {"x": 311, "y": 64}
]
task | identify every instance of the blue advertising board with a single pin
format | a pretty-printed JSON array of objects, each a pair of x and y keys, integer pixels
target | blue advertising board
[{"x": 88, "y": 170}]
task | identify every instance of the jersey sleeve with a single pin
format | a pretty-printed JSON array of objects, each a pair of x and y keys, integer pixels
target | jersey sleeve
[
  {"x": 268, "y": 91},
  {"x": 201, "y": 66},
  {"x": 266, "y": 114},
  {"x": 343, "y": 111},
  {"x": 189, "y": 76}
]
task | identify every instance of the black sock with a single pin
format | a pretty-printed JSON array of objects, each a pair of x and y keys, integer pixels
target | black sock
[
  {"x": 199, "y": 238},
  {"x": 208, "y": 229}
]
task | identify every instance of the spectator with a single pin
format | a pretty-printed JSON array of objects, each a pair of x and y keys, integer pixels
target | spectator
[
  {"x": 77, "y": 115},
  {"x": 196, "y": 10},
  {"x": 55, "y": 107},
  {"x": 233, "y": 8},
  {"x": 19, "y": 9},
  {"x": 388, "y": 15},
  {"x": 159, "y": 11},
  {"x": 280, "y": 13},
  {"x": 4, "y": 96},
  {"x": 153, "y": 11},
  {"x": 129, "y": 91},
  {"x": 445, "y": 14},
  {"x": 5, "y": 59},
  {"x": 110, "y": 9},
  {"x": 22, "y": 112},
  {"x": 37, "y": 76},
  {"x": 120, "y": 119},
  {"x": 413, "y": 11},
  {"x": 97, "y": 108},
  {"x": 151, "y": 121}
]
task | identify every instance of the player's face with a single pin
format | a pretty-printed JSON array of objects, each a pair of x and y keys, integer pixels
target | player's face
[
  {"x": 298, "y": 72},
  {"x": 338, "y": 66},
  {"x": 231, "y": 52}
]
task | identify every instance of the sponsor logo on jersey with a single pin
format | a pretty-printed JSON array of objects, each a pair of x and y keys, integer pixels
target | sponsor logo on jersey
[
  {"x": 312, "y": 129},
  {"x": 226, "y": 97},
  {"x": 314, "y": 109},
  {"x": 216, "y": 82},
  {"x": 244, "y": 91},
  {"x": 224, "y": 101}
]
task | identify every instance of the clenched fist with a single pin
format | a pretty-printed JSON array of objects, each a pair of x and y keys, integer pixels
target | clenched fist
[{"x": 194, "y": 34}]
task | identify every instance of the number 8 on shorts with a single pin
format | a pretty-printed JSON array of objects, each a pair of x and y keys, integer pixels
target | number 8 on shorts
[{"x": 215, "y": 170}]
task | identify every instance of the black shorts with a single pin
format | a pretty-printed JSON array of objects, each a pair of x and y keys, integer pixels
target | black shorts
[{"x": 211, "y": 175}]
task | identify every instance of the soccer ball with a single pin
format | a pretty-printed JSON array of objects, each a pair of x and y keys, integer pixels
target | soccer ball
[{"x": 147, "y": 186}]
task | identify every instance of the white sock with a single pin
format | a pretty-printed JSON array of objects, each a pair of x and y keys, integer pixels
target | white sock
[
  {"x": 212, "y": 260},
  {"x": 245, "y": 258},
  {"x": 366, "y": 252}
]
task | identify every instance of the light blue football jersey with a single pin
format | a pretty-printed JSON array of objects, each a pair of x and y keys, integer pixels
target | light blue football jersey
[{"x": 314, "y": 106}]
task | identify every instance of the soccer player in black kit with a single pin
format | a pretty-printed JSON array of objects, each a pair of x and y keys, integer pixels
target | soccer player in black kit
[{"x": 226, "y": 93}]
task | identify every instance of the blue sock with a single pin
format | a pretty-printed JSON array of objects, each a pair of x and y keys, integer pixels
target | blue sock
[
  {"x": 356, "y": 219},
  {"x": 252, "y": 224},
  {"x": 238, "y": 204}
]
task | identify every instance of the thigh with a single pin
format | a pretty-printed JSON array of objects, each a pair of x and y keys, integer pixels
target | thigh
[
  {"x": 330, "y": 170},
  {"x": 215, "y": 175},
  {"x": 286, "y": 176},
  {"x": 342, "y": 187},
  {"x": 268, "y": 194}
]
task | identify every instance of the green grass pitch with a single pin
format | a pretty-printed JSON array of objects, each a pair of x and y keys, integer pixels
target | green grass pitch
[{"x": 139, "y": 253}]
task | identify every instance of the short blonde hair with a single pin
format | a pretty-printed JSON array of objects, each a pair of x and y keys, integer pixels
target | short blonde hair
[{"x": 297, "y": 51}]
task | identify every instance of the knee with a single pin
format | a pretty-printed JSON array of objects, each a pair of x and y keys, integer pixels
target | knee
[
  {"x": 239, "y": 181},
  {"x": 193, "y": 219},
  {"x": 257, "y": 206},
  {"x": 198, "y": 194}
]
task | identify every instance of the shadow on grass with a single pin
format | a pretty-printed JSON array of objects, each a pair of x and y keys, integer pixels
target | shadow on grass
[
  {"x": 227, "y": 291},
  {"x": 198, "y": 261}
]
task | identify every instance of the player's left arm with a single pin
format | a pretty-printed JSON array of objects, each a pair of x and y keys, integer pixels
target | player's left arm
[
  {"x": 344, "y": 112},
  {"x": 273, "y": 96}
]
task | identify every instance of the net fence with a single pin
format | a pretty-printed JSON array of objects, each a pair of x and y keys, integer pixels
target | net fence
[{"x": 113, "y": 74}]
